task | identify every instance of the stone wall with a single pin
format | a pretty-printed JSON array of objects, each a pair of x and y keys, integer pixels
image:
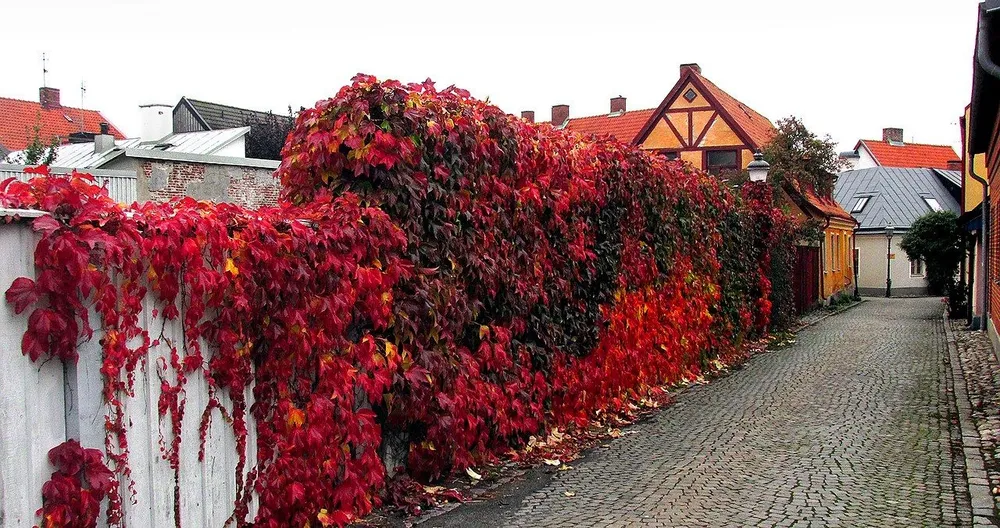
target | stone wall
[{"x": 161, "y": 180}]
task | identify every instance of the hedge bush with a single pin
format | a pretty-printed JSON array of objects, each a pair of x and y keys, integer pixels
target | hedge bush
[{"x": 437, "y": 270}]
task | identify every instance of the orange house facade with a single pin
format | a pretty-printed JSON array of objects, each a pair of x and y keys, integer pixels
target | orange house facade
[{"x": 705, "y": 127}]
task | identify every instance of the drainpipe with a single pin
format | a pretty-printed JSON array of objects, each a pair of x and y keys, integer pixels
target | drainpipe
[
  {"x": 984, "y": 253},
  {"x": 986, "y": 63}
]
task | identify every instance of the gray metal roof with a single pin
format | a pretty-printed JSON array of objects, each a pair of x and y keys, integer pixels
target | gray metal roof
[
  {"x": 218, "y": 116},
  {"x": 82, "y": 155},
  {"x": 896, "y": 196},
  {"x": 121, "y": 184}
]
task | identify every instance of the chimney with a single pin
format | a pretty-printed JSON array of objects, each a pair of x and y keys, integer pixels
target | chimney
[
  {"x": 955, "y": 165},
  {"x": 104, "y": 141},
  {"x": 49, "y": 98},
  {"x": 157, "y": 122},
  {"x": 618, "y": 105},
  {"x": 560, "y": 113},
  {"x": 892, "y": 135},
  {"x": 691, "y": 66},
  {"x": 528, "y": 115}
]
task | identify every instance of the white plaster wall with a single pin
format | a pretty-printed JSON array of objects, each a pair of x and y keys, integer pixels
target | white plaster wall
[
  {"x": 865, "y": 159},
  {"x": 236, "y": 149},
  {"x": 872, "y": 265}
]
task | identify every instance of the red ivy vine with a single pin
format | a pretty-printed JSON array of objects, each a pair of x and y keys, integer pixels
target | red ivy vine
[{"x": 436, "y": 269}]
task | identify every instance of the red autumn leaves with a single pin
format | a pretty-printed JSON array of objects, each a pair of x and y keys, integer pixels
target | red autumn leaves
[{"x": 440, "y": 270}]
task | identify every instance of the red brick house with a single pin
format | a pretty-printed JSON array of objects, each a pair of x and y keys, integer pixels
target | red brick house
[{"x": 19, "y": 118}]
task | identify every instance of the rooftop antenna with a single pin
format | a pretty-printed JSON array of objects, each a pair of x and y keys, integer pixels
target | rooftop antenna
[
  {"x": 83, "y": 93},
  {"x": 45, "y": 71}
]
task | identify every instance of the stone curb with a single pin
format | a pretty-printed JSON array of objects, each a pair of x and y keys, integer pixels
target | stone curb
[{"x": 975, "y": 469}]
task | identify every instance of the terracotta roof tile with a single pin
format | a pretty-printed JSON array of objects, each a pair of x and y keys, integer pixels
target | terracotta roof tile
[
  {"x": 18, "y": 119},
  {"x": 910, "y": 155},
  {"x": 623, "y": 127},
  {"x": 759, "y": 128}
]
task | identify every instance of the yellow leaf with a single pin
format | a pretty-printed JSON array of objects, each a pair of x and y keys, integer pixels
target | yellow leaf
[
  {"x": 569, "y": 493},
  {"x": 377, "y": 263},
  {"x": 390, "y": 350},
  {"x": 552, "y": 462},
  {"x": 472, "y": 474},
  {"x": 231, "y": 267},
  {"x": 296, "y": 418},
  {"x": 483, "y": 331}
]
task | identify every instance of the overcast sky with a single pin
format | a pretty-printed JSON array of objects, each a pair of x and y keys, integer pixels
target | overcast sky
[{"x": 847, "y": 68}]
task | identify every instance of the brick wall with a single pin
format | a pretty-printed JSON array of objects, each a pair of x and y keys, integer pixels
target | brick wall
[
  {"x": 161, "y": 180},
  {"x": 993, "y": 178}
]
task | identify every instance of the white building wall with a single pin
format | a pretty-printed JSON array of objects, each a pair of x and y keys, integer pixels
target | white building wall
[
  {"x": 872, "y": 267},
  {"x": 865, "y": 159}
]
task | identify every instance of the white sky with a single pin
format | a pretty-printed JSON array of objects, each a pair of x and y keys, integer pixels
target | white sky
[{"x": 847, "y": 68}]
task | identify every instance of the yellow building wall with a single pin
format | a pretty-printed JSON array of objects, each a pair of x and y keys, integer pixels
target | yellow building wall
[
  {"x": 720, "y": 134},
  {"x": 973, "y": 189},
  {"x": 681, "y": 102},
  {"x": 693, "y": 157},
  {"x": 661, "y": 137},
  {"x": 838, "y": 258}
]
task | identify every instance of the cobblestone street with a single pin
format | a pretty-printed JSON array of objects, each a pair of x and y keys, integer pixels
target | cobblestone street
[{"x": 849, "y": 426}]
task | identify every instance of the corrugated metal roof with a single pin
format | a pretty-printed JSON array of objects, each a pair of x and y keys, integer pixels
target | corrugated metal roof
[
  {"x": 896, "y": 196},
  {"x": 207, "y": 142},
  {"x": 82, "y": 155},
  {"x": 121, "y": 184},
  {"x": 955, "y": 177}
]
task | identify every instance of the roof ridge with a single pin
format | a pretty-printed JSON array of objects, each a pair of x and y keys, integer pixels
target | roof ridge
[
  {"x": 202, "y": 101},
  {"x": 60, "y": 106},
  {"x": 609, "y": 114},
  {"x": 907, "y": 144}
]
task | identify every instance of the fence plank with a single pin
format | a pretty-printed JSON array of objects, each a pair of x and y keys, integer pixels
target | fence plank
[{"x": 32, "y": 403}]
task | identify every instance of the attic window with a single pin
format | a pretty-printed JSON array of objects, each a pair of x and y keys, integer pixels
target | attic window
[
  {"x": 690, "y": 95},
  {"x": 896, "y": 143},
  {"x": 68, "y": 118},
  {"x": 933, "y": 204},
  {"x": 860, "y": 205}
]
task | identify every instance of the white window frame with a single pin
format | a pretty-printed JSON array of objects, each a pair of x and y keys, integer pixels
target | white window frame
[
  {"x": 922, "y": 268},
  {"x": 933, "y": 204},
  {"x": 860, "y": 204}
]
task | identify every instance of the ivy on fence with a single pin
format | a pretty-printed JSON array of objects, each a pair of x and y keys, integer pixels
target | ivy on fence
[{"x": 437, "y": 269}]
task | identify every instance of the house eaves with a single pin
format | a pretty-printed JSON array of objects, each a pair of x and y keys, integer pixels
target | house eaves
[{"x": 208, "y": 159}]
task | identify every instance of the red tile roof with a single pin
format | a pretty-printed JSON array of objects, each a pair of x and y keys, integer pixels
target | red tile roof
[
  {"x": 910, "y": 155},
  {"x": 826, "y": 205},
  {"x": 18, "y": 119},
  {"x": 759, "y": 128},
  {"x": 623, "y": 127}
]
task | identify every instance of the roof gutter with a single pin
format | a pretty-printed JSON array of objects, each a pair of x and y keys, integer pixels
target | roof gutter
[{"x": 984, "y": 233}]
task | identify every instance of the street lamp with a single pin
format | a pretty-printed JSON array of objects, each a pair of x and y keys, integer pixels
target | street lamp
[
  {"x": 758, "y": 168},
  {"x": 888, "y": 261}
]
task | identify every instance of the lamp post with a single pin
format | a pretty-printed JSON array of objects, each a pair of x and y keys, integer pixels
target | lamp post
[
  {"x": 854, "y": 257},
  {"x": 888, "y": 261},
  {"x": 758, "y": 168}
]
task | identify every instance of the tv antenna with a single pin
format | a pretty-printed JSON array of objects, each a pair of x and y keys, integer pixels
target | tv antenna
[
  {"x": 45, "y": 71},
  {"x": 83, "y": 94}
]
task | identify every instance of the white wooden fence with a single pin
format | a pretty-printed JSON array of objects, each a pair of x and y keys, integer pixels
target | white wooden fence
[{"x": 43, "y": 404}]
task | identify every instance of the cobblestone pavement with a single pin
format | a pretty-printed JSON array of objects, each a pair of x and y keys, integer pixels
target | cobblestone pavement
[
  {"x": 982, "y": 374},
  {"x": 850, "y": 426}
]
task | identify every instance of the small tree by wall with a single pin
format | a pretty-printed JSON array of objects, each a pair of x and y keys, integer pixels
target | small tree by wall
[
  {"x": 936, "y": 239},
  {"x": 801, "y": 158}
]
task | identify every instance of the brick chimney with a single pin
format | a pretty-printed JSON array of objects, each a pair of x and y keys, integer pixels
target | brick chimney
[
  {"x": 560, "y": 113},
  {"x": 691, "y": 66},
  {"x": 617, "y": 105},
  {"x": 528, "y": 115},
  {"x": 955, "y": 165},
  {"x": 49, "y": 98},
  {"x": 892, "y": 134}
]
